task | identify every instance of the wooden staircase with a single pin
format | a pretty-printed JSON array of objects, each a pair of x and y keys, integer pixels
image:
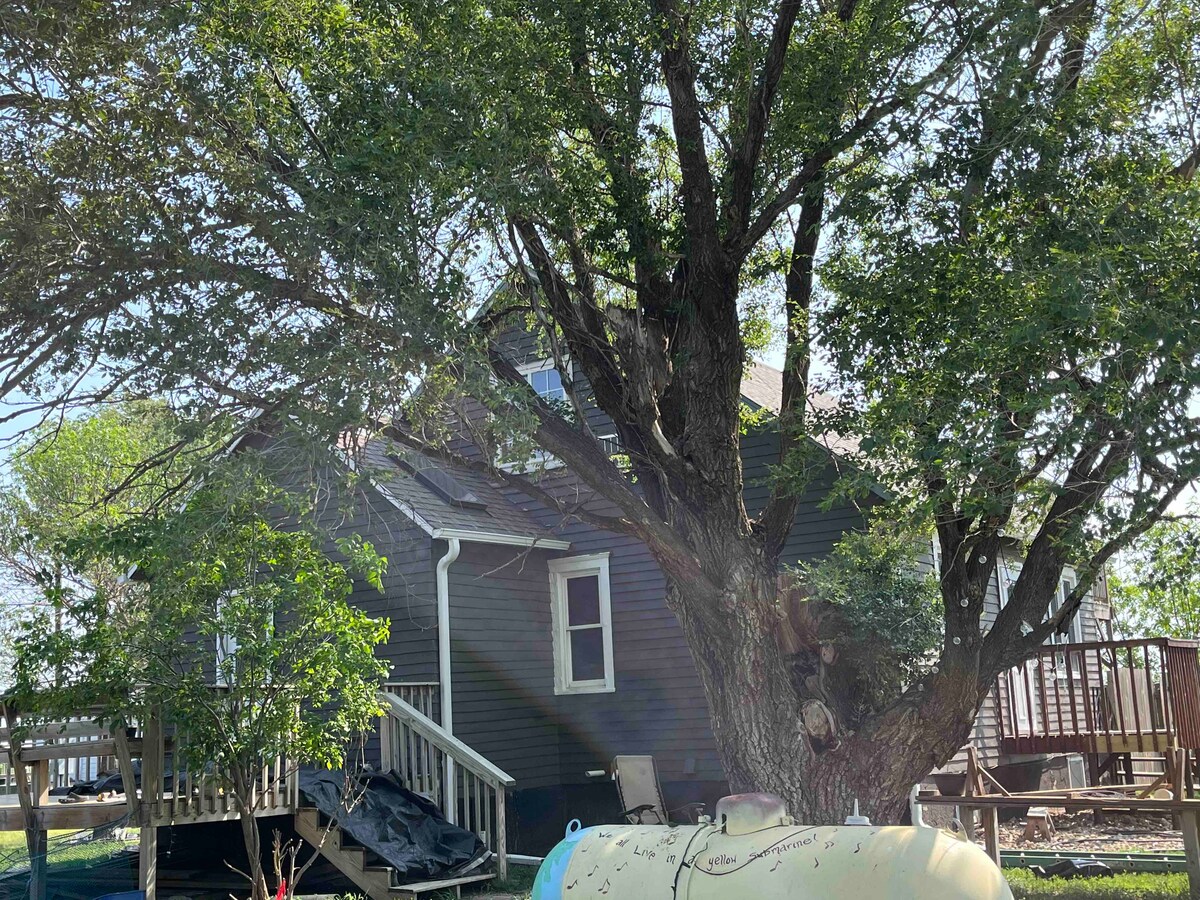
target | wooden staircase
[
  {"x": 431, "y": 761},
  {"x": 378, "y": 881}
]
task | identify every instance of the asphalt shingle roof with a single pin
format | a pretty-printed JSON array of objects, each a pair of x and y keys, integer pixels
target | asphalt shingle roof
[
  {"x": 762, "y": 385},
  {"x": 500, "y": 515}
]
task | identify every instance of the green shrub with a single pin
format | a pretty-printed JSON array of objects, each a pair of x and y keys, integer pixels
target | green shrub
[{"x": 1126, "y": 886}]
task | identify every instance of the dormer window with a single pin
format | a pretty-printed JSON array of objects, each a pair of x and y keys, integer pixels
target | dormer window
[{"x": 545, "y": 378}]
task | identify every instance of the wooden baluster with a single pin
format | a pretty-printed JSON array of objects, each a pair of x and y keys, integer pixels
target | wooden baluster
[
  {"x": 1168, "y": 687},
  {"x": 1133, "y": 696},
  {"x": 183, "y": 787},
  {"x": 1089, "y": 710},
  {"x": 1029, "y": 703},
  {"x": 1059, "y": 724},
  {"x": 489, "y": 829},
  {"x": 1122, "y": 722},
  {"x": 1045, "y": 725},
  {"x": 386, "y": 751},
  {"x": 480, "y": 798},
  {"x": 501, "y": 838},
  {"x": 1071, "y": 697},
  {"x": 401, "y": 739}
]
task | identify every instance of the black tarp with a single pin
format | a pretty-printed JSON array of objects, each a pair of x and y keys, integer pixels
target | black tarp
[{"x": 406, "y": 830}]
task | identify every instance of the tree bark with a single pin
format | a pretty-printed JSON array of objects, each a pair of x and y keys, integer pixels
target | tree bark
[
  {"x": 250, "y": 837},
  {"x": 757, "y": 713}
]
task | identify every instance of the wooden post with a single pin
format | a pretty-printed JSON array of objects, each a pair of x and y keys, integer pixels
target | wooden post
[
  {"x": 152, "y": 782},
  {"x": 152, "y": 767},
  {"x": 1191, "y": 847},
  {"x": 990, "y": 814},
  {"x": 35, "y": 835},
  {"x": 148, "y": 860},
  {"x": 968, "y": 812},
  {"x": 501, "y": 835},
  {"x": 29, "y": 794}
]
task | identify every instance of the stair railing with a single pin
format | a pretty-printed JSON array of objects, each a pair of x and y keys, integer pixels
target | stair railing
[{"x": 417, "y": 749}]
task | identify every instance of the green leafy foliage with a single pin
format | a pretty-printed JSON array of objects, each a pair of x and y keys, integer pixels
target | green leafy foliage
[
  {"x": 878, "y": 612},
  {"x": 296, "y": 671},
  {"x": 1156, "y": 590},
  {"x": 88, "y": 473},
  {"x": 1022, "y": 296}
]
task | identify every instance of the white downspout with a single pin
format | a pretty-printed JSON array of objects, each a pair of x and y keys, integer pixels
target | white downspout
[{"x": 445, "y": 688}]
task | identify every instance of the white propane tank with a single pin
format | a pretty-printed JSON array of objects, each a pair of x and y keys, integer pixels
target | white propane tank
[{"x": 753, "y": 850}]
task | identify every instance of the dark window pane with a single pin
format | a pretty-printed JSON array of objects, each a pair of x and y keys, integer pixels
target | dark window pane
[
  {"x": 587, "y": 654},
  {"x": 583, "y": 600}
]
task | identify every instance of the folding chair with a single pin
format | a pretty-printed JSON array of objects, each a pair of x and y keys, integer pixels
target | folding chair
[{"x": 640, "y": 793}]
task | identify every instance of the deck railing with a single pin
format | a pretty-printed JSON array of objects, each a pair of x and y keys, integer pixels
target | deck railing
[
  {"x": 204, "y": 792},
  {"x": 63, "y": 753},
  {"x": 1132, "y": 696},
  {"x": 90, "y": 757},
  {"x": 422, "y": 695},
  {"x": 418, "y": 750}
]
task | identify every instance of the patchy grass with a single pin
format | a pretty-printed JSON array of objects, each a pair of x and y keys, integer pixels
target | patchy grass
[
  {"x": 1125, "y": 886},
  {"x": 62, "y": 855},
  {"x": 15, "y": 840},
  {"x": 518, "y": 886}
]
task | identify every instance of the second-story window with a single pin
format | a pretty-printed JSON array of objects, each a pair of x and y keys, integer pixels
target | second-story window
[
  {"x": 1074, "y": 633},
  {"x": 544, "y": 378}
]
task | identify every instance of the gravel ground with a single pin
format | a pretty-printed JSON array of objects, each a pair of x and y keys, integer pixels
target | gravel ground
[{"x": 1077, "y": 831}]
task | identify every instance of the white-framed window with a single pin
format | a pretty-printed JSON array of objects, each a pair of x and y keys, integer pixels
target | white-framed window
[
  {"x": 581, "y": 616},
  {"x": 543, "y": 376},
  {"x": 1074, "y": 634},
  {"x": 227, "y": 647}
]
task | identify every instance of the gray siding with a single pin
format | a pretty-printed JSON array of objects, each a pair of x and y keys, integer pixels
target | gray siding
[
  {"x": 341, "y": 510},
  {"x": 502, "y": 657}
]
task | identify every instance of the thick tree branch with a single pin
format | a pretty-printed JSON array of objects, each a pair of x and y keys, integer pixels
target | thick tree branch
[
  {"x": 699, "y": 196},
  {"x": 778, "y": 517},
  {"x": 758, "y": 114}
]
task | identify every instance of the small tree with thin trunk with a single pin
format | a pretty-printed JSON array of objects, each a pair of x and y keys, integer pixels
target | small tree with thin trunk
[{"x": 243, "y": 641}]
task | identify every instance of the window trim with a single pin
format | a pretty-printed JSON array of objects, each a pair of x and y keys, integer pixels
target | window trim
[
  {"x": 560, "y": 571},
  {"x": 1066, "y": 584},
  {"x": 545, "y": 365},
  {"x": 540, "y": 460},
  {"x": 226, "y": 647}
]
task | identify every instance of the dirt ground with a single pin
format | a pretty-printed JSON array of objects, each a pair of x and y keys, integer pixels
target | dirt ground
[{"x": 1078, "y": 831}]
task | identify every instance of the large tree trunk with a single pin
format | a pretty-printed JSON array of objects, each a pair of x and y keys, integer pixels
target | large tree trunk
[{"x": 757, "y": 712}]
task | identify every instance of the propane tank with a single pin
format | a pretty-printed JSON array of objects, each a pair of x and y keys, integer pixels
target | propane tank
[{"x": 753, "y": 849}]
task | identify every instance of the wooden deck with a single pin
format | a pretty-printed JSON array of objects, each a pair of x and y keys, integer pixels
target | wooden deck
[
  {"x": 1103, "y": 698},
  {"x": 431, "y": 761}
]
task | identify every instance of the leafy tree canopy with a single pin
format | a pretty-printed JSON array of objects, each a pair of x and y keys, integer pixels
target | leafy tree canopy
[
  {"x": 982, "y": 212},
  {"x": 1156, "y": 590}
]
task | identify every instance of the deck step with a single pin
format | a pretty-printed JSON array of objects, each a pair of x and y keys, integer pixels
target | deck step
[
  {"x": 376, "y": 881},
  {"x": 421, "y": 887}
]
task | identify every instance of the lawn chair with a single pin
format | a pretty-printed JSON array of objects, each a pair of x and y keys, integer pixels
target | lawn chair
[{"x": 641, "y": 796}]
